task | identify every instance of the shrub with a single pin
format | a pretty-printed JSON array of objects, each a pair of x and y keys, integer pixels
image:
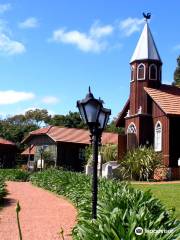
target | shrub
[
  {"x": 140, "y": 163},
  {"x": 121, "y": 208},
  {"x": 109, "y": 152},
  {"x": 14, "y": 175},
  {"x": 3, "y": 191}
]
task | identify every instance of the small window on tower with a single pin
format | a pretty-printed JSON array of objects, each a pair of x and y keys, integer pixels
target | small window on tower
[
  {"x": 132, "y": 73},
  {"x": 141, "y": 72},
  {"x": 153, "y": 72}
]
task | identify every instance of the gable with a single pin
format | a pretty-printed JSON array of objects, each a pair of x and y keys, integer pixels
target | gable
[{"x": 120, "y": 122}]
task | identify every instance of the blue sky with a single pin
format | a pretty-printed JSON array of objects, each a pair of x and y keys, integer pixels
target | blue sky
[{"x": 51, "y": 51}]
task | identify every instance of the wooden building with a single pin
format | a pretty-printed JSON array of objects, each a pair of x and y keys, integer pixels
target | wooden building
[
  {"x": 8, "y": 151},
  {"x": 65, "y": 144},
  {"x": 151, "y": 115}
]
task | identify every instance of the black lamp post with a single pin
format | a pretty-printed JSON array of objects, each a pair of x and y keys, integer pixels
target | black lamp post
[{"x": 96, "y": 117}]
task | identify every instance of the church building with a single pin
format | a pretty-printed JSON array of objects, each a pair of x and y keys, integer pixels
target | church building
[{"x": 151, "y": 115}]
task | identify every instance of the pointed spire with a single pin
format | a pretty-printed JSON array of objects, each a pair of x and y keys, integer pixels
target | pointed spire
[{"x": 146, "y": 47}]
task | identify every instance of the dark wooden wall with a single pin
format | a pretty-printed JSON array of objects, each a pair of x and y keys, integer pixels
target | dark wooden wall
[
  {"x": 174, "y": 140},
  {"x": 138, "y": 96},
  {"x": 7, "y": 155},
  {"x": 40, "y": 140},
  {"x": 68, "y": 156}
]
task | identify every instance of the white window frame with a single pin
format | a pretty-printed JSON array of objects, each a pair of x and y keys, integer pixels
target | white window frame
[
  {"x": 132, "y": 70},
  {"x": 158, "y": 137},
  {"x": 141, "y": 64},
  {"x": 131, "y": 128},
  {"x": 150, "y": 71}
]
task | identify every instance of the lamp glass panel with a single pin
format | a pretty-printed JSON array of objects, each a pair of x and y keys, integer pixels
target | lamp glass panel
[
  {"x": 101, "y": 120},
  {"x": 82, "y": 113},
  {"x": 92, "y": 109}
]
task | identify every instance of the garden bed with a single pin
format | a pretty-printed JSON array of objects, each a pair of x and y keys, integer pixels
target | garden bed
[{"x": 121, "y": 208}]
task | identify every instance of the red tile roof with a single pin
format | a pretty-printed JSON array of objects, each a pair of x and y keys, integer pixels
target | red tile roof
[
  {"x": 73, "y": 135},
  {"x": 6, "y": 142},
  {"x": 167, "y": 98},
  {"x": 30, "y": 150}
]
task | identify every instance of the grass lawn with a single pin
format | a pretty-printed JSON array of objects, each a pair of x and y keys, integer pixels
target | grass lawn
[{"x": 169, "y": 194}]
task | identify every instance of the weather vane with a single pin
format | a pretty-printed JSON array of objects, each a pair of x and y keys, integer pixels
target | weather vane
[{"x": 146, "y": 16}]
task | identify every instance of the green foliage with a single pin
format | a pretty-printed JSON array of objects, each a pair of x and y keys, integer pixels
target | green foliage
[
  {"x": 18, "y": 209},
  {"x": 109, "y": 152},
  {"x": 177, "y": 74},
  {"x": 14, "y": 175},
  {"x": 111, "y": 127},
  {"x": 140, "y": 163},
  {"x": 88, "y": 154},
  {"x": 72, "y": 120},
  {"x": 3, "y": 191},
  {"x": 121, "y": 208}
]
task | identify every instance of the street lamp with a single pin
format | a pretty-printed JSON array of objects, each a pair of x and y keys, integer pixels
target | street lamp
[{"x": 96, "y": 117}]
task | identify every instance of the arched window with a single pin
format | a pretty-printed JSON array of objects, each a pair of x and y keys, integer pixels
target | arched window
[
  {"x": 141, "y": 72},
  {"x": 131, "y": 128},
  {"x": 132, "y": 73},
  {"x": 158, "y": 137},
  {"x": 131, "y": 136},
  {"x": 153, "y": 72}
]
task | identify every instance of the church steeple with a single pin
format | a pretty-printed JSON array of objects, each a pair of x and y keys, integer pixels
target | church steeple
[
  {"x": 145, "y": 70},
  {"x": 146, "y": 48}
]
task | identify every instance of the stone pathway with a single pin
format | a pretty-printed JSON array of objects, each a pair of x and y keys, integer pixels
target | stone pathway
[{"x": 42, "y": 214}]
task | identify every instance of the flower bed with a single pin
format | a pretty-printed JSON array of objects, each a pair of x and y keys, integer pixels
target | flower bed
[{"x": 121, "y": 208}]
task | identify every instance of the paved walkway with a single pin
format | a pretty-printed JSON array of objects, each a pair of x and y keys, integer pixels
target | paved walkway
[{"x": 42, "y": 214}]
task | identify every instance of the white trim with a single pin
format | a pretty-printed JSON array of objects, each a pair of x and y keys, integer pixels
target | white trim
[
  {"x": 144, "y": 71},
  {"x": 128, "y": 128},
  {"x": 158, "y": 136},
  {"x": 150, "y": 71},
  {"x": 132, "y": 70}
]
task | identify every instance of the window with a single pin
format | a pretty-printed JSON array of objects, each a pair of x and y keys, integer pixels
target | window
[
  {"x": 131, "y": 128},
  {"x": 158, "y": 137},
  {"x": 141, "y": 72},
  {"x": 153, "y": 72},
  {"x": 81, "y": 154},
  {"x": 132, "y": 73},
  {"x": 131, "y": 136}
]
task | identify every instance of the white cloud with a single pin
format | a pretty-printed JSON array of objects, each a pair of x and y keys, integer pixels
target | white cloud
[
  {"x": 87, "y": 42},
  {"x": 50, "y": 100},
  {"x": 131, "y": 25},
  {"x": 9, "y": 46},
  {"x": 5, "y": 7},
  {"x": 11, "y": 97},
  {"x": 31, "y": 22},
  {"x": 98, "y": 31}
]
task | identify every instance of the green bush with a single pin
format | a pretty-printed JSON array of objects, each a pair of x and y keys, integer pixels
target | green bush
[
  {"x": 109, "y": 152},
  {"x": 14, "y": 175},
  {"x": 140, "y": 163},
  {"x": 121, "y": 208},
  {"x": 3, "y": 191}
]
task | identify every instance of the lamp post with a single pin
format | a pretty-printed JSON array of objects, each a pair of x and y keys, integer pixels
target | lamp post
[
  {"x": 41, "y": 150},
  {"x": 96, "y": 117}
]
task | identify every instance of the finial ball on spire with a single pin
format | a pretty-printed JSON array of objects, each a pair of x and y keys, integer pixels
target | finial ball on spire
[{"x": 147, "y": 16}]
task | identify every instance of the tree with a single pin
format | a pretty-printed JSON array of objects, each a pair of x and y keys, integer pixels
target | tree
[
  {"x": 177, "y": 74},
  {"x": 37, "y": 116},
  {"x": 71, "y": 120},
  {"x": 111, "y": 127}
]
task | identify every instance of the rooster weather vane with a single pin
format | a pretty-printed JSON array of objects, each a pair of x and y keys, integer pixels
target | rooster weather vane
[{"x": 146, "y": 16}]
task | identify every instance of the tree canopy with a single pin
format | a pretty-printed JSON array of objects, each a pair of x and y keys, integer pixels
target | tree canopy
[{"x": 177, "y": 74}]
